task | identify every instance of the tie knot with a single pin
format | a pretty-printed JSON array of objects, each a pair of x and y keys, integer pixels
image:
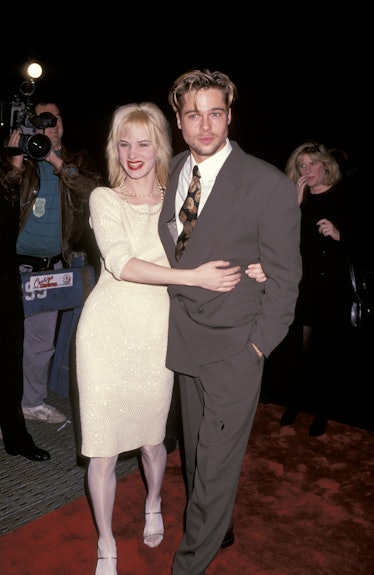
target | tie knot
[{"x": 195, "y": 171}]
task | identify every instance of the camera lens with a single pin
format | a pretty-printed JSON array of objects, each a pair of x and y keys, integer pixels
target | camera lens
[{"x": 38, "y": 146}]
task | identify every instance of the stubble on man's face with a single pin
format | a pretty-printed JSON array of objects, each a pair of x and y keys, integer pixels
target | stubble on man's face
[{"x": 204, "y": 122}]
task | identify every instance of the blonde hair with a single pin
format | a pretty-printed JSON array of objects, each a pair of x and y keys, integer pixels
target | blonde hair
[
  {"x": 197, "y": 80},
  {"x": 318, "y": 153},
  {"x": 144, "y": 114}
]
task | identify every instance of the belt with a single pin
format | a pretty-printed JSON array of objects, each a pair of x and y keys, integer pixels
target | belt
[{"x": 38, "y": 264}]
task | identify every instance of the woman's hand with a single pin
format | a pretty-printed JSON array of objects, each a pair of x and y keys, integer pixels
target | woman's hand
[
  {"x": 256, "y": 272},
  {"x": 300, "y": 187},
  {"x": 216, "y": 276},
  {"x": 327, "y": 228}
]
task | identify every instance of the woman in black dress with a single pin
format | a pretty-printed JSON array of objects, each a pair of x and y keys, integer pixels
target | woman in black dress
[{"x": 322, "y": 317}]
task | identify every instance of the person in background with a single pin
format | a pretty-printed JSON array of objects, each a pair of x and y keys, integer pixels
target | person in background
[
  {"x": 17, "y": 440},
  {"x": 218, "y": 341},
  {"x": 124, "y": 387},
  {"x": 322, "y": 319},
  {"x": 54, "y": 195}
]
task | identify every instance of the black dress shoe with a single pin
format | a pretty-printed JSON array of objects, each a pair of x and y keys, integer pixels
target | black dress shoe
[
  {"x": 318, "y": 426},
  {"x": 288, "y": 417},
  {"x": 30, "y": 452},
  {"x": 229, "y": 538}
]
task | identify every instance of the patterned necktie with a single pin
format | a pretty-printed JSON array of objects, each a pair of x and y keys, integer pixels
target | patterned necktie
[{"x": 188, "y": 213}]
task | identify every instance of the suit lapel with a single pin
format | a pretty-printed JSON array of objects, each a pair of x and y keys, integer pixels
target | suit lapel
[{"x": 223, "y": 197}]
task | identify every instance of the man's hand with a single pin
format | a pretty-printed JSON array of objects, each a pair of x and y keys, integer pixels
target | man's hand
[
  {"x": 15, "y": 152},
  {"x": 256, "y": 272}
]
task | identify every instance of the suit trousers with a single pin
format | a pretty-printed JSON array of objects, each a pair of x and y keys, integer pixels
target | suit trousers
[{"x": 218, "y": 410}]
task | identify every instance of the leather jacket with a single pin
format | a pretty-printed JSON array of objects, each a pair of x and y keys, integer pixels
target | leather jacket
[{"x": 75, "y": 189}]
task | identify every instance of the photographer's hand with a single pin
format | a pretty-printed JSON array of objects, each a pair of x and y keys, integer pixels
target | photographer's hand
[
  {"x": 13, "y": 143},
  {"x": 54, "y": 159}
]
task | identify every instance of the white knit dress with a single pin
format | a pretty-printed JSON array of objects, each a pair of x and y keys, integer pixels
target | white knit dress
[{"x": 124, "y": 387}]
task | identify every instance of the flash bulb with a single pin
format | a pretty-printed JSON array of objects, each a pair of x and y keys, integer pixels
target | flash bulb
[{"x": 34, "y": 70}]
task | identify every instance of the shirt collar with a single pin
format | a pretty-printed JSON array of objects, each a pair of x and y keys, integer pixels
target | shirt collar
[{"x": 211, "y": 166}]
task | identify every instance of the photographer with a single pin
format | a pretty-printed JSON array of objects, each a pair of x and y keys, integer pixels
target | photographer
[{"x": 54, "y": 205}]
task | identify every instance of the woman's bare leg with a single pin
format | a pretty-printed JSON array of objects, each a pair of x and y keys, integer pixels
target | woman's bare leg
[
  {"x": 154, "y": 459},
  {"x": 102, "y": 482}
]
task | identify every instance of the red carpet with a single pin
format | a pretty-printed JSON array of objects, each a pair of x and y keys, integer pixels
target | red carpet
[{"x": 305, "y": 507}]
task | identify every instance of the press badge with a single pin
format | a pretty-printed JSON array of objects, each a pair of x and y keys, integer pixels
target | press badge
[{"x": 39, "y": 207}]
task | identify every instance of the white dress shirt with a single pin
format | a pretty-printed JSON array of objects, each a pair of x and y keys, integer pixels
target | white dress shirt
[{"x": 208, "y": 169}]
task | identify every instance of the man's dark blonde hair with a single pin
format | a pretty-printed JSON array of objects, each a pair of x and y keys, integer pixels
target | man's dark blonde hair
[{"x": 197, "y": 80}]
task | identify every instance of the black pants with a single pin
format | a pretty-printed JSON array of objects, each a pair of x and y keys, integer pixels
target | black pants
[{"x": 12, "y": 421}]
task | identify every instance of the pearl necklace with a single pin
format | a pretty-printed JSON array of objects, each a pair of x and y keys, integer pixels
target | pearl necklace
[{"x": 124, "y": 193}]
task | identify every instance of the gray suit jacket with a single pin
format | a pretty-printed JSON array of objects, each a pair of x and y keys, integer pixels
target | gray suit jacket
[{"x": 251, "y": 215}]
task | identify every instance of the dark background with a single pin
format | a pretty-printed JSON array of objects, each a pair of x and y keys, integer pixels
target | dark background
[{"x": 301, "y": 72}]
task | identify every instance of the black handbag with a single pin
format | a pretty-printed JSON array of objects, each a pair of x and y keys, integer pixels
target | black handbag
[{"x": 362, "y": 309}]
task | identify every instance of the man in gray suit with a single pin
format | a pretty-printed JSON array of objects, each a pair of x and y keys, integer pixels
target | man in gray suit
[{"x": 218, "y": 342}]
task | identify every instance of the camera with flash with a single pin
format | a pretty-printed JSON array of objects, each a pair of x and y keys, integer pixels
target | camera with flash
[
  {"x": 32, "y": 143},
  {"x": 20, "y": 114}
]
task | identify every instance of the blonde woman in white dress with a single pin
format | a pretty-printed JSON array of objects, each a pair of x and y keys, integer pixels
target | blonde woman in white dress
[{"x": 124, "y": 387}]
